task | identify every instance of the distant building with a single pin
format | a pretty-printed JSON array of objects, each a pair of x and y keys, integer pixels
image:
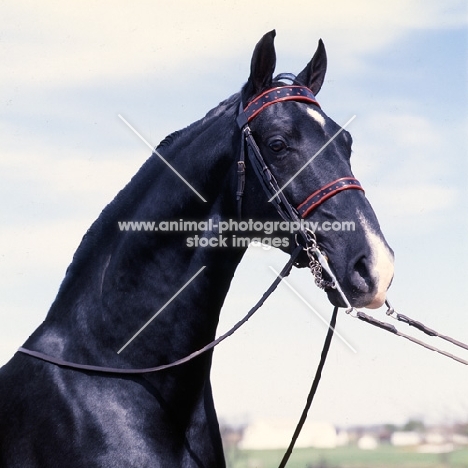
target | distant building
[
  {"x": 368, "y": 442},
  {"x": 405, "y": 438},
  {"x": 272, "y": 434}
]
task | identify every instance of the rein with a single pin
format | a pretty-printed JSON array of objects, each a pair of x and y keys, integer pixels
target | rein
[
  {"x": 116, "y": 370},
  {"x": 412, "y": 323}
]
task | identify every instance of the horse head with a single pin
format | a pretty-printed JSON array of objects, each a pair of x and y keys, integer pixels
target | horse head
[{"x": 308, "y": 153}]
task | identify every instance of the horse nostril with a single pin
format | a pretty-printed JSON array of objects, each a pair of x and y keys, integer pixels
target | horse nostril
[{"x": 360, "y": 276}]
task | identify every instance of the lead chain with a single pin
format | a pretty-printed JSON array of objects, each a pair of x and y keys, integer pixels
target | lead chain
[{"x": 314, "y": 264}]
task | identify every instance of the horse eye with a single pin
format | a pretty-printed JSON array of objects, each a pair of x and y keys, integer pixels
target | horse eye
[{"x": 277, "y": 145}]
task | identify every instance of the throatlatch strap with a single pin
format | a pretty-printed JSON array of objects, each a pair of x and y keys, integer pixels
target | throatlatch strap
[{"x": 240, "y": 179}]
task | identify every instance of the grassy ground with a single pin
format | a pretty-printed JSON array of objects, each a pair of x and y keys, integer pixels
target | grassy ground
[{"x": 349, "y": 457}]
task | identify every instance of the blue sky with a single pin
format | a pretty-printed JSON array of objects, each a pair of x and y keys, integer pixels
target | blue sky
[{"x": 68, "y": 71}]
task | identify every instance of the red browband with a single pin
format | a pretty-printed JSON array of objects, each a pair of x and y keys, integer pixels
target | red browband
[
  {"x": 318, "y": 197},
  {"x": 284, "y": 93}
]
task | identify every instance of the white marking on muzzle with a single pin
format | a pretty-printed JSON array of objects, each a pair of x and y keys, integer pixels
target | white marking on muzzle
[{"x": 381, "y": 265}]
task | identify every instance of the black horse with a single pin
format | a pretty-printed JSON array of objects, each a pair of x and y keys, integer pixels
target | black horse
[{"x": 51, "y": 416}]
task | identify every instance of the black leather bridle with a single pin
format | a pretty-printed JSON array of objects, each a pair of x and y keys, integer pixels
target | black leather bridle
[{"x": 268, "y": 181}]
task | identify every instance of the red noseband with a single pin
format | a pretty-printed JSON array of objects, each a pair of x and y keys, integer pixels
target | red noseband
[{"x": 331, "y": 189}]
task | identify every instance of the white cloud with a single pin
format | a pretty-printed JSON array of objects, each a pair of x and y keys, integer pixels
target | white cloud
[
  {"x": 48, "y": 244},
  {"x": 73, "y": 174},
  {"x": 55, "y": 43},
  {"x": 33, "y": 163},
  {"x": 422, "y": 200},
  {"x": 411, "y": 171}
]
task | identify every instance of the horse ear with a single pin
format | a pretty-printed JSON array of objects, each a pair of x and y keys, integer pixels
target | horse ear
[
  {"x": 314, "y": 73},
  {"x": 262, "y": 65}
]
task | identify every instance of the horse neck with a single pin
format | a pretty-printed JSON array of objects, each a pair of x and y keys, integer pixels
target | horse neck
[{"x": 118, "y": 281}]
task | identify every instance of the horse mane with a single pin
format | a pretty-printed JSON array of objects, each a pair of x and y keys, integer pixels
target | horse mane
[
  {"x": 167, "y": 141},
  {"x": 222, "y": 107},
  {"x": 105, "y": 224}
]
